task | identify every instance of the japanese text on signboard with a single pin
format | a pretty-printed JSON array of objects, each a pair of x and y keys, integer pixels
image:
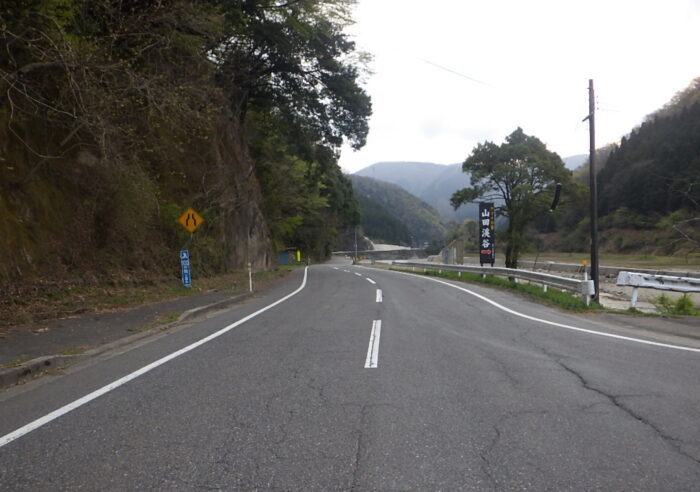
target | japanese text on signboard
[{"x": 487, "y": 233}]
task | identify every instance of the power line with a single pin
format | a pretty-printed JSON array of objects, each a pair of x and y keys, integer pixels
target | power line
[{"x": 455, "y": 73}]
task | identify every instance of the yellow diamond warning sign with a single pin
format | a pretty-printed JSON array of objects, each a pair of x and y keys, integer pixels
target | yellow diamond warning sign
[{"x": 190, "y": 220}]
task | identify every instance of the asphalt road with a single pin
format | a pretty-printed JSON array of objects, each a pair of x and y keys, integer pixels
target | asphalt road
[{"x": 339, "y": 387}]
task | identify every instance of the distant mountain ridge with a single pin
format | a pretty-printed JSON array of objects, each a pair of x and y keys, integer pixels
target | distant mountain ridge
[
  {"x": 435, "y": 183},
  {"x": 411, "y": 176},
  {"x": 573, "y": 162},
  {"x": 432, "y": 183}
]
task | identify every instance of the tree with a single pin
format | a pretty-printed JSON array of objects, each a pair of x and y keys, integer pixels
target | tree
[
  {"x": 114, "y": 113},
  {"x": 520, "y": 174},
  {"x": 293, "y": 58}
]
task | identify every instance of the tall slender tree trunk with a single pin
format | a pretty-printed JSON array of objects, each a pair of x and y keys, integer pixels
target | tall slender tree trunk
[{"x": 513, "y": 245}]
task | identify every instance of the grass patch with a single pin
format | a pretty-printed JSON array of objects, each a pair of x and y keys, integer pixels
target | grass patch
[
  {"x": 14, "y": 363},
  {"x": 75, "y": 350},
  {"x": 160, "y": 320},
  {"x": 682, "y": 306},
  {"x": 552, "y": 297}
]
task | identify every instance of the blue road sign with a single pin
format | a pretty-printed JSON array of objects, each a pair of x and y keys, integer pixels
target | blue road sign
[{"x": 185, "y": 268}]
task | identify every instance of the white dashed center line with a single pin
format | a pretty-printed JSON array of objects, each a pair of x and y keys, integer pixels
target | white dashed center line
[
  {"x": 379, "y": 295},
  {"x": 373, "y": 349}
]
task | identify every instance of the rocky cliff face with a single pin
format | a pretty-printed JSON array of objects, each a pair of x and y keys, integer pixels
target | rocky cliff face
[
  {"x": 245, "y": 235},
  {"x": 86, "y": 217}
]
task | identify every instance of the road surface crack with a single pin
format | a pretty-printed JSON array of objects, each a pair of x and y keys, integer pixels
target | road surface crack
[
  {"x": 355, "y": 465},
  {"x": 498, "y": 436},
  {"x": 501, "y": 368},
  {"x": 675, "y": 443},
  {"x": 484, "y": 455}
]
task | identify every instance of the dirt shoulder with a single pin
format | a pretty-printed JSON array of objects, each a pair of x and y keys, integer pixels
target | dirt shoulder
[{"x": 83, "y": 318}]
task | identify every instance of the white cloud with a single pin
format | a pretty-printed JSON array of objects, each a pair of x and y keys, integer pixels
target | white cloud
[{"x": 536, "y": 57}]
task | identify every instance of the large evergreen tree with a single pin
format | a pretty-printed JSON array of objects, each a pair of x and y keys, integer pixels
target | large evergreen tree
[{"x": 519, "y": 174}]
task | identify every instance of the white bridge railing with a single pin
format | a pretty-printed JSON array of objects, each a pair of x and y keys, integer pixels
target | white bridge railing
[
  {"x": 659, "y": 282},
  {"x": 582, "y": 287}
]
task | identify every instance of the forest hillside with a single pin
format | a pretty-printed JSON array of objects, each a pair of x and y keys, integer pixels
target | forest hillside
[
  {"x": 388, "y": 208},
  {"x": 117, "y": 115},
  {"x": 648, "y": 187}
]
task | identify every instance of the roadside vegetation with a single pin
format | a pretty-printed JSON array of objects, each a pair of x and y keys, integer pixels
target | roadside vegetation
[
  {"x": 57, "y": 300},
  {"x": 552, "y": 297},
  {"x": 681, "y": 306},
  {"x": 665, "y": 305},
  {"x": 115, "y": 116}
]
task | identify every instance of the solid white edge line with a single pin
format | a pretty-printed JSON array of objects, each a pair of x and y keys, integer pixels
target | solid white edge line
[
  {"x": 373, "y": 350},
  {"x": 26, "y": 429},
  {"x": 553, "y": 323},
  {"x": 379, "y": 295}
]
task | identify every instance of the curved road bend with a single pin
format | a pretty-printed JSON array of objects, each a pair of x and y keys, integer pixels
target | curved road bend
[{"x": 368, "y": 380}]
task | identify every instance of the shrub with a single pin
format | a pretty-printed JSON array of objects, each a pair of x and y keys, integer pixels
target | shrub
[{"x": 683, "y": 306}]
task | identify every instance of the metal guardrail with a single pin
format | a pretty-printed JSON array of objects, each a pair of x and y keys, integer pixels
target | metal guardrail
[
  {"x": 659, "y": 282},
  {"x": 582, "y": 287}
]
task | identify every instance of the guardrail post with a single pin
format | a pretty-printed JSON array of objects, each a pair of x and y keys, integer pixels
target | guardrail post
[{"x": 633, "y": 301}]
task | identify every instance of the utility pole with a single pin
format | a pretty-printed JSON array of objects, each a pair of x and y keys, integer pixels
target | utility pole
[{"x": 593, "y": 192}]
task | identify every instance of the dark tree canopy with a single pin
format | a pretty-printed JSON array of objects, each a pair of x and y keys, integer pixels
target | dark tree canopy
[
  {"x": 656, "y": 169},
  {"x": 293, "y": 56}
]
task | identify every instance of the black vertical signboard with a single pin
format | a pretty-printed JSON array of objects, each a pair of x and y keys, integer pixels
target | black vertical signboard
[{"x": 487, "y": 234}]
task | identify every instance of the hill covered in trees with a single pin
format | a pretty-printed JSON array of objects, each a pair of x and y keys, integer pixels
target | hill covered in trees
[
  {"x": 380, "y": 225},
  {"x": 380, "y": 198},
  {"x": 432, "y": 183},
  {"x": 649, "y": 187},
  {"x": 656, "y": 169},
  {"x": 116, "y": 115}
]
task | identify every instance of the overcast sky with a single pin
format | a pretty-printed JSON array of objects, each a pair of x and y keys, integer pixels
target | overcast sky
[{"x": 449, "y": 74}]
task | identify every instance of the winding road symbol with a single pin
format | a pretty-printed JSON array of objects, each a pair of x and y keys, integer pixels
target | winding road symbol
[{"x": 190, "y": 220}]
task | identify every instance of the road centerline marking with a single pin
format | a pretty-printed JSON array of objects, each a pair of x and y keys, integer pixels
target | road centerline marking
[
  {"x": 371, "y": 281},
  {"x": 373, "y": 350},
  {"x": 358, "y": 274},
  {"x": 379, "y": 295}
]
